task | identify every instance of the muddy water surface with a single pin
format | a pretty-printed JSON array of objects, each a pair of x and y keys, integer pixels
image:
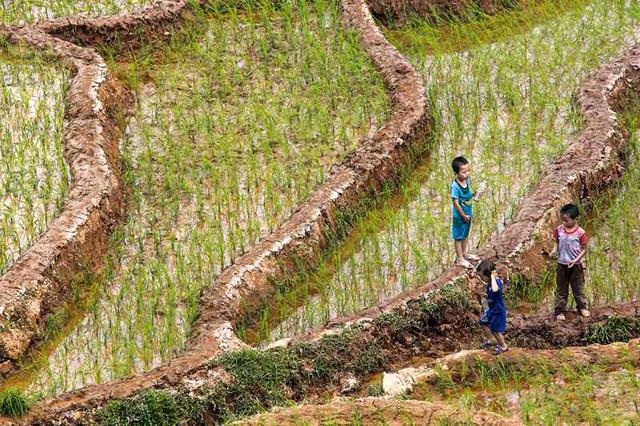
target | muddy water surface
[
  {"x": 23, "y": 11},
  {"x": 33, "y": 174}
]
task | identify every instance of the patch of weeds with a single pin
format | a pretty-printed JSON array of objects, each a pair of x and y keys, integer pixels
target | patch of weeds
[
  {"x": 375, "y": 390},
  {"x": 396, "y": 322},
  {"x": 335, "y": 353},
  {"x": 534, "y": 291},
  {"x": 452, "y": 294},
  {"x": 259, "y": 380},
  {"x": 14, "y": 402},
  {"x": 444, "y": 380},
  {"x": 613, "y": 329},
  {"x": 151, "y": 407}
]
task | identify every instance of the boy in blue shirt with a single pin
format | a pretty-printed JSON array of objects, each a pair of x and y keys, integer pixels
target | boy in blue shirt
[
  {"x": 461, "y": 211},
  {"x": 494, "y": 320}
]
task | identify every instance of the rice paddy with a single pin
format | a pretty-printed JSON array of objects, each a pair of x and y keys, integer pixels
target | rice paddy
[
  {"x": 23, "y": 11},
  {"x": 507, "y": 106},
  {"x": 33, "y": 174},
  {"x": 240, "y": 115},
  {"x": 237, "y": 123}
]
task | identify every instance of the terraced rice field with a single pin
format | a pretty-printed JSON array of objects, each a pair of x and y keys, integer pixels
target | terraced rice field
[
  {"x": 507, "y": 106},
  {"x": 242, "y": 118},
  {"x": 242, "y": 111},
  {"x": 33, "y": 174}
]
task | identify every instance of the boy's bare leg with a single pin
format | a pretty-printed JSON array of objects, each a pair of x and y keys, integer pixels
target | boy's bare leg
[
  {"x": 487, "y": 334},
  {"x": 459, "y": 249},
  {"x": 465, "y": 250},
  {"x": 500, "y": 339}
]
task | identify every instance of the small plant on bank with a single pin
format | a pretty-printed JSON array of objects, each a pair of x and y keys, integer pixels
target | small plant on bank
[
  {"x": 613, "y": 329},
  {"x": 14, "y": 402},
  {"x": 151, "y": 408}
]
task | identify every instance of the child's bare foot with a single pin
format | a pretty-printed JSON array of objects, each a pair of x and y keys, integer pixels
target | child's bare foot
[
  {"x": 560, "y": 317},
  {"x": 585, "y": 313},
  {"x": 464, "y": 263},
  {"x": 473, "y": 257}
]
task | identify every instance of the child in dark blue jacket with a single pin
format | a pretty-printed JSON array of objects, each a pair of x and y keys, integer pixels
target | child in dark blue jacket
[{"x": 494, "y": 320}]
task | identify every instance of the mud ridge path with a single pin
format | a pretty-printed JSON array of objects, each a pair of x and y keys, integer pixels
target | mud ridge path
[
  {"x": 469, "y": 366},
  {"x": 461, "y": 368},
  {"x": 39, "y": 280}
]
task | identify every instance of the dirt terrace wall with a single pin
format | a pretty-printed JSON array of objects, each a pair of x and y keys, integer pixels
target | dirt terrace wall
[
  {"x": 39, "y": 280},
  {"x": 121, "y": 31},
  {"x": 399, "y": 10},
  {"x": 464, "y": 367}
]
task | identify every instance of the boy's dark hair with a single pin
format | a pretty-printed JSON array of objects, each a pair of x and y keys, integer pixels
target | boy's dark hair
[
  {"x": 570, "y": 210},
  {"x": 486, "y": 267},
  {"x": 457, "y": 162}
]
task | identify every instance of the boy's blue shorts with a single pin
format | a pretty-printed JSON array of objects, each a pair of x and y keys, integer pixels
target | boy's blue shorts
[{"x": 460, "y": 229}]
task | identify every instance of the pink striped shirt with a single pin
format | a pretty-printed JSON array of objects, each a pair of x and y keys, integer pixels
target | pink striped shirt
[{"x": 570, "y": 244}]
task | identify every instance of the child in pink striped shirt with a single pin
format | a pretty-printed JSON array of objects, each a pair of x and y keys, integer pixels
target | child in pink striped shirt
[{"x": 571, "y": 244}]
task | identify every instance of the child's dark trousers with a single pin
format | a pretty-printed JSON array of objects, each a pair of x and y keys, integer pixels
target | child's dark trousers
[{"x": 569, "y": 277}]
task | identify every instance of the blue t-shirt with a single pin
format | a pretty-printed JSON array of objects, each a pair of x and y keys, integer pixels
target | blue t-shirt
[{"x": 464, "y": 196}]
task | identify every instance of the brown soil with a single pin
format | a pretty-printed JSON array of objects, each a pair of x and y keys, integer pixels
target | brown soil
[
  {"x": 377, "y": 411},
  {"x": 398, "y": 10}
]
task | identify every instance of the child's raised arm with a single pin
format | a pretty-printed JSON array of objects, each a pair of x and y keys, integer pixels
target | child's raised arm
[{"x": 494, "y": 282}]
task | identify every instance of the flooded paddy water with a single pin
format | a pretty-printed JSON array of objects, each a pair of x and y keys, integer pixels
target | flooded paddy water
[
  {"x": 33, "y": 174},
  {"x": 23, "y": 11}
]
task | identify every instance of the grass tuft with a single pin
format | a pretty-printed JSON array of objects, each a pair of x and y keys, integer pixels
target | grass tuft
[{"x": 14, "y": 402}]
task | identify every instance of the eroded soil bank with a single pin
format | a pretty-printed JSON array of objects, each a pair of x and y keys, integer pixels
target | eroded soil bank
[{"x": 596, "y": 384}]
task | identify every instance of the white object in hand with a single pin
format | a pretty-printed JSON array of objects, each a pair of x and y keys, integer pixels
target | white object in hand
[{"x": 481, "y": 189}]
